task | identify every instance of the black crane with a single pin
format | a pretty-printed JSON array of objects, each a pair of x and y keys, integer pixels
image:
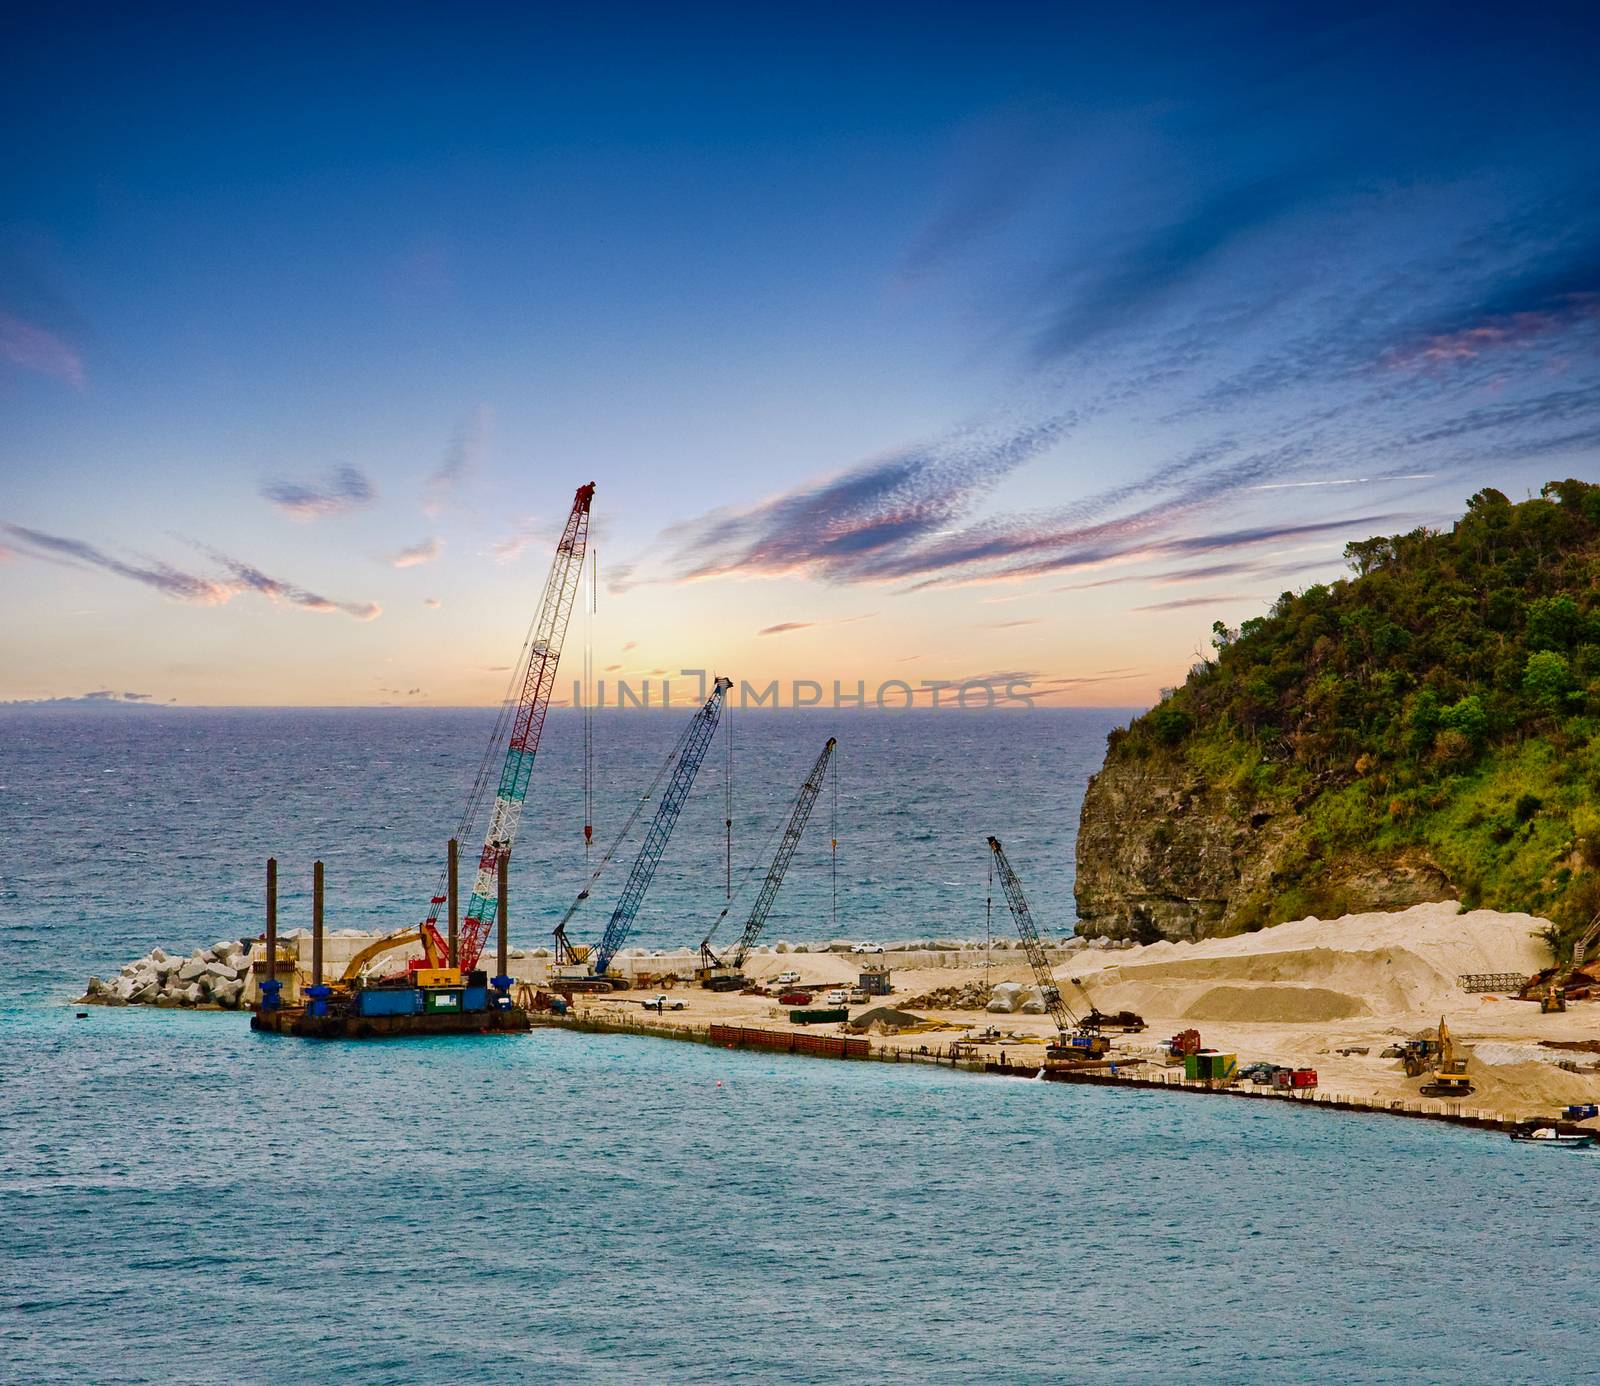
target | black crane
[
  {"x": 723, "y": 974},
  {"x": 1084, "y": 1040}
]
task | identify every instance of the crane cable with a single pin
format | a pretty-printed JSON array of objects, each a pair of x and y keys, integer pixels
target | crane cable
[
  {"x": 744, "y": 880},
  {"x": 988, "y": 917},
  {"x": 588, "y": 705},
  {"x": 616, "y": 842},
  {"x": 833, "y": 836},
  {"x": 727, "y": 807}
]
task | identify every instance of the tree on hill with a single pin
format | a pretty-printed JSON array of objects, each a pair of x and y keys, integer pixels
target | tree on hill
[{"x": 1426, "y": 701}]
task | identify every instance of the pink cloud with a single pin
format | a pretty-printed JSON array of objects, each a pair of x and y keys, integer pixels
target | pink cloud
[
  {"x": 1506, "y": 331},
  {"x": 34, "y": 349}
]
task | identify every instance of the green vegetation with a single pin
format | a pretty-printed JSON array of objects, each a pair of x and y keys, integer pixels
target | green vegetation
[{"x": 1442, "y": 703}]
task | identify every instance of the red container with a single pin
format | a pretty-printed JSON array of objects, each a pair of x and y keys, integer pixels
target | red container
[{"x": 1303, "y": 1078}]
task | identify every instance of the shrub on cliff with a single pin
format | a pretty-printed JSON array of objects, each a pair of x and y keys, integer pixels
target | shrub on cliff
[{"x": 1444, "y": 697}]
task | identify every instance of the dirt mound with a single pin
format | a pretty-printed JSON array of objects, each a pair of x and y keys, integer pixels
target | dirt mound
[
  {"x": 1317, "y": 970},
  {"x": 884, "y": 1020},
  {"x": 1275, "y": 1003}
]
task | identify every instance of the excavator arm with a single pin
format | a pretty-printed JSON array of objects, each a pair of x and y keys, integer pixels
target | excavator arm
[{"x": 413, "y": 935}]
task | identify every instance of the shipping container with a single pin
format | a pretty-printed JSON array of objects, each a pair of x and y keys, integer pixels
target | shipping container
[
  {"x": 441, "y": 1000},
  {"x": 387, "y": 1001},
  {"x": 829, "y": 1015}
]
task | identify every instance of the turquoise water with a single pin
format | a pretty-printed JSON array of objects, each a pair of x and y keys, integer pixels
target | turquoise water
[{"x": 186, "y": 1201}]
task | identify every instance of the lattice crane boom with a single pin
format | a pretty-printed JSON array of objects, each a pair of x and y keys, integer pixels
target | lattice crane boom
[
  {"x": 804, "y": 802},
  {"x": 695, "y": 742},
  {"x": 527, "y": 724},
  {"x": 1032, "y": 944}
]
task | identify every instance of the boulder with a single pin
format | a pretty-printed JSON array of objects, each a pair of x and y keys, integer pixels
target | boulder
[
  {"x": 159, "y": 955},
  {"x": 189, "y": 995},
  {"x": 219, "y": 972},
  {"x": 191, "y": 969},
  {"x": 1006, "y": 998},
  {"x": 1033, "y": 1004},
  {"x": 801, "y": 948},
  {"x": 128, "y": 969},
  {"x": 541, "y": 953},
  {"x": 206, "y": 955},
  {"x": 166, "y": 1000},
  {"x": 943, "y": 945},
  {"x": 227, "y": 994},
  {"x": 781, "y": 946},
  {"x": 839, "y": 945},
  {"x": 96, "y": 987}
]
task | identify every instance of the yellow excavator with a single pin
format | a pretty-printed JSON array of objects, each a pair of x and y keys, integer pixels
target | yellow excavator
[
  {"x": 435, "y": 972},
  {"x": 1450, "y": 1078}
]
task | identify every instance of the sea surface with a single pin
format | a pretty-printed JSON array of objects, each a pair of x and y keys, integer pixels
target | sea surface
[{"x": 187, "y": 1202}]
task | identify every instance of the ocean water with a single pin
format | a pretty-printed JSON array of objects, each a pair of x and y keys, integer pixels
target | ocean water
[{"x": 185, "y": 1201}]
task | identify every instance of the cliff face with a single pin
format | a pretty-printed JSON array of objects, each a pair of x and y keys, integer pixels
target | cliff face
[
  {"x": 1426, "y": 728},
  {"x": 1163, "y": 855}
]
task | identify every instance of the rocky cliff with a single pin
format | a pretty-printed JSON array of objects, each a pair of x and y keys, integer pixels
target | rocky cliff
[
  {"x": 1163, "y": 855},
  {"x": 1426, "y": 729}
]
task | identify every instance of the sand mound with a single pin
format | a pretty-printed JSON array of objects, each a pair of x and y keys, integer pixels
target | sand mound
[
  {"x": 1271, "y": 1002},
  {"x": 1385, "y": 963}
]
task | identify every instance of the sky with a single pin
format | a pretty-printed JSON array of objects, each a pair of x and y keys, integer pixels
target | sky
[{"x": 1014, "y": 343}]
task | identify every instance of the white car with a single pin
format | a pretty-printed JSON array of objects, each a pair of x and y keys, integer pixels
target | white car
[
  {"x": 785, "y": 979},
  {"x": 835, "y": 998},
  {"x": 867, "y": 948}
]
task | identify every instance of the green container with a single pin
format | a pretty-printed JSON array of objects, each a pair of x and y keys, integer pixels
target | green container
[
  {"x": 818, "y": 1017},
  {"x": 442, "y": 1001},
  {"x": 1207, "y": 1067}
]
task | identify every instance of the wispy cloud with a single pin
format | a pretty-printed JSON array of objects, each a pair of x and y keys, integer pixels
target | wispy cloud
[
  {"x": 249, "y": 578},
  {"x": 783, "y": 627},
  {"x": 461, "y": 457},
  {"x": 511, "y": 548},
  {"x": 33, "y": 348},
  {"x": 181, "y": 585},
  {"x": 416, "y": 554},
  {"x": 344, "y": 489},
  {"x": 851, "y": 526},
  {"x": 1182, "y": 603},
  {"x": 432, "y": 603}
]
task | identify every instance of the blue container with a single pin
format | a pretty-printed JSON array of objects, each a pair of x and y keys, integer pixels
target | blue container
[
  {"x": 1583, "y": 1111},
  {"x": 475, "y": 999},
  {"x": 396, "y": 1001}
]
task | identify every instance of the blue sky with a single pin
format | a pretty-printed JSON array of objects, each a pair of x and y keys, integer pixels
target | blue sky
[{"x": 899, "y": 343}]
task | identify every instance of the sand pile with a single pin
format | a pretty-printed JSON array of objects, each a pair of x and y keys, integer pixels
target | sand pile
[{"x": 1315, "y": 970}]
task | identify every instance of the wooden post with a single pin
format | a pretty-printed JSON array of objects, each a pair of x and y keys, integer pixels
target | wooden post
[
  {"x": 455, "y": 903},
  {"x": 500, "y": 948},
  {"x": 316, "y": 924},
  {"x": 272, "y": 919}
]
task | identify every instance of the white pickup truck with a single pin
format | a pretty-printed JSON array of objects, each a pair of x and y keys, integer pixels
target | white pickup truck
[{"x": 663, "y": 1002}]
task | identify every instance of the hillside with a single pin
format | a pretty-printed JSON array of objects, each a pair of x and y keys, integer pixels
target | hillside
[{"x": 1428, "y": 728}]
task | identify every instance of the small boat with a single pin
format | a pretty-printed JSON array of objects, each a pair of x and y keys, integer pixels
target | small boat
[{"x": 1548, "y": 1135}]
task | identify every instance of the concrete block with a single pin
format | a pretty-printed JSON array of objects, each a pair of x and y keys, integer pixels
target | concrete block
[{"x": 192, "y": 969}]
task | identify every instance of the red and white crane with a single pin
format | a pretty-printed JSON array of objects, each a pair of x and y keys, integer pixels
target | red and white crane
[{"x": 525, "y": 718}]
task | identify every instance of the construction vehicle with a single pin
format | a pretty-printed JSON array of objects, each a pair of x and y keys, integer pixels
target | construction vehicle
[
  {"x": 519, "y": 727},
  {"x": 1128, "y": 1021},
  {"x": 725, "y": 974},
  {"x": 428, "y": 940},
  {"x": 577, "y": 968},
  {"x": 1084, "y": 1043},
  {"x": 1553, "y": 988},
  {"x": 1450, "y": 1077}
]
